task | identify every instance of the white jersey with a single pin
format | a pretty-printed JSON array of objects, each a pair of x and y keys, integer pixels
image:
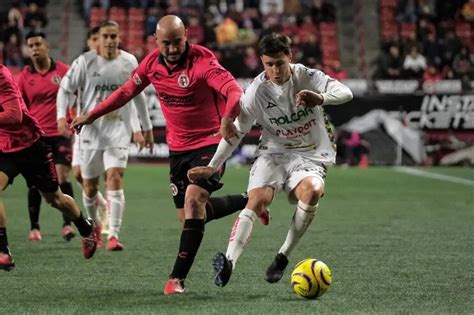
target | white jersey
[
  {"x": 285, "y": 126},
  {"x": 97, "y": 78}
]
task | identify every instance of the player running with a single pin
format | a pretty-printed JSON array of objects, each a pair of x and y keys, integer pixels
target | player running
[
  {"x": 104, "y": 144},
  {"x": 23, "y": 151},
  {"x": 296, "y": 147}
]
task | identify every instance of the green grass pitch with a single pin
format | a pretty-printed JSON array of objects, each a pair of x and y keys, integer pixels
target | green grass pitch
[{"x": 395, "y": 243}]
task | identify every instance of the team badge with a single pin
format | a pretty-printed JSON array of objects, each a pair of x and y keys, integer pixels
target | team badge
[
  {"x": 174, "y": 189},
  {"x": 136, "y": 79},
  {"x": 56, "y": 79},
  {"x": 183, "y": 80}
]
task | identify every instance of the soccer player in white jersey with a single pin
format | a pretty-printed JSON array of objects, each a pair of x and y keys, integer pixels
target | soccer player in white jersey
[
  {"x": 104, "y": 144},
  {"x": 295, "y": 148}
]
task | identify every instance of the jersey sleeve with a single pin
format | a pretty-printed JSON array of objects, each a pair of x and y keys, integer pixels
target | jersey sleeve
[
  {"x": 8, "y": 91},
  {"x": 10, "y": 100},
  {"x": 332, "y": 91},
  {"x": 70, "y": 83},
  {"x": 247, "y": 113}
]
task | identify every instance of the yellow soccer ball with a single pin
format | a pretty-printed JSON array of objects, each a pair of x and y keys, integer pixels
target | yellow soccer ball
[{"x": 311, "y": 278}]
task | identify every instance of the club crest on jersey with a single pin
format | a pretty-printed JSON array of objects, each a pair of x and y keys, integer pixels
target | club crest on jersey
[
  {"x": 174, "y": 189},
  {"x": 56, "y": 79},
  {"x": 183, "y": 80}
]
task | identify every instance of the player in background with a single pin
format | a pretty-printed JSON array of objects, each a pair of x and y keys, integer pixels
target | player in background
[
  {"x": 92, "y": 44},
  {"x": 39, "y": 84},
  {"x": 296, "y": 147},
  {"x": 104, "y": 144},
  {"x": 199, "y": 100},
  {"x": 23, "y": 151}
]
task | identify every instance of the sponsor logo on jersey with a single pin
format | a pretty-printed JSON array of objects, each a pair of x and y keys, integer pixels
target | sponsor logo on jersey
[
  {"x": 297, "y": 131},
  {"x": 136, "y": 79},
  {"x": 294, "y": 117},
  {"x": 174, "y": 189},
  {"x": 174, "y": 100},
  {"x": 56, "y": 79},
  {"x": 96, "y": 74},
  {"x": 183, "y": 80},
  {"x": 107, "y": 87}
]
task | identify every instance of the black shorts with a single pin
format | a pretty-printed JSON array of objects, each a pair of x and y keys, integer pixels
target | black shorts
[
  {"x": 61, "y": 148},
  {"x": 34, "y": 163},
  {"x": 181, "y": 162}
]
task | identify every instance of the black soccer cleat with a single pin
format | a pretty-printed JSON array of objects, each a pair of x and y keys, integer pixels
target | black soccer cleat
[
  {"x": 222, "y": 269},
  {"x": 276, "y": 269}
]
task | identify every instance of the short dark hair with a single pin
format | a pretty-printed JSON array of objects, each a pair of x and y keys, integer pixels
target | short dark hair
[
  {"x": 93, "y": 31},
  {"x": 274, "y": 44},
  {"x": 108, "y": 23},
  {"x": 35, "y": 34}
]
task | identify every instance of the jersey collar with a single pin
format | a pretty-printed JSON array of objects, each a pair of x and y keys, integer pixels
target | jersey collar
[
  {"x": 181, "y": 61},
  {"x": 51, "y": 67}
]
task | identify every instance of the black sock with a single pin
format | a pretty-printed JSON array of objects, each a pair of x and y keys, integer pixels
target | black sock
[
  {"x": 66, "y": 188},
  {"x": 219, "y": 207},
  {"x": 34, "y": 204},
  {"x": 3, "y": 240},
  {"x": 191, "y": 237},
  {"x": 83, "y": 226}
]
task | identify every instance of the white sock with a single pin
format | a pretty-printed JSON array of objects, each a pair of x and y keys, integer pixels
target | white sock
[
  {"x": 101, "y": 200},
  {"x": 240, "y": 233},
  {"x": 116, "y": 203},
  {"x": 91, "y": 207},
  {"x": 302, "y": 218}
]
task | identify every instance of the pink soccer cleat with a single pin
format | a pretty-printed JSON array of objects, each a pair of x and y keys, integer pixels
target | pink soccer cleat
[
  {"x": 174, "y": 286},
  {"x": 35, "y": 235},
  {"x": 114, "y": 244}
]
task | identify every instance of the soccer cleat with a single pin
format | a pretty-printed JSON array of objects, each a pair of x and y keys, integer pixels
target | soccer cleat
[
  {"x": 265, "y": 217},
  {"x": 276, "y": 269},
  {"x": 98, "y": 235},
  {"x": 114, "y": 244},
  {"x": 35, "y": 235},
  {"x": 174, "y": 286},
  {"x": 89, "y": 245},
  {"x": 68, "y": 232},
  {"x": 6, "y": 262},
  {"x": 222, "y": 269}
]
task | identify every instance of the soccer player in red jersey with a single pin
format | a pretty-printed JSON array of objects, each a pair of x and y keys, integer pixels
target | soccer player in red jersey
[
  {"x": 39, "y": 84},
  {"x": 23, "y": 151},
  {"x": 199, "y": 99}
]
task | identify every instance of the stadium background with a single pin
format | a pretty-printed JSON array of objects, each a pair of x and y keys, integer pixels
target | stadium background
[
  {"x": 397, "y": 239},
  {"x": 366, "y": 44}
]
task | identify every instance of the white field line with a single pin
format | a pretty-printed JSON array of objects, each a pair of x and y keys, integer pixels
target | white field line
[{"x": 447, "y": 178}]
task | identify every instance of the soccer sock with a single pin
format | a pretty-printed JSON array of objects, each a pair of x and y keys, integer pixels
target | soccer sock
[
  {"x": 191, "y": 237},
  {"x": 240, "y": 234},
  {"x": 91, "y": 207},
  {"x": 116, "y": 200},
  {"x": 83, "y": 226},
  {"x": 3, "y": 240},
  {"x": 101, "y": 202},
  {"x": 302, "y": 218},
  {"x": 66, "y": 188},
  {"x": 219, "y": 207},
  {"x": 34, "y": 204}
]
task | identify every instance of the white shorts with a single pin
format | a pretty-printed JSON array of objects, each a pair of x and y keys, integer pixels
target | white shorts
[
  {"x": 95, "y": 162},
  {"x": 76, "y": 154},
  {"x": 283, "y": 171}
]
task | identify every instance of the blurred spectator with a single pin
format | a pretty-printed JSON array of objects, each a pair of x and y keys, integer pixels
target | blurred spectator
[
  {"x": 13, "y": 52},
  {"x": 311, "y": 50},
  {"x": 468, "y": 11},
  {"x": 432, "y": 74},
  {"x": 450, "y": 47},
  {"x": 153, "y": 15},
  {"x": 35, "y": 19},
  {"x": 195, "y": 30},
  {"x": 432, "y": 50},
  {"x": 251, "y": 62},
  {"x": 322, "y": 11},
  {"x": 390, "y": 66},
  {"x": 463, "y": 66},
  {"x": 274, "y": 7},
  {"x": 414, "y": 64},
  {"x": 88, "y": 4},
  {"x": 227, "y": 32},
  {"x": 335, "y": 70},
  {"x": 407, "y": 11},
  {"x": 351, "y": 147}
]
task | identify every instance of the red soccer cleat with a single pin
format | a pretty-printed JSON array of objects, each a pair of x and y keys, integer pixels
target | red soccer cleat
[
  {"x": 174, "y": 286},
  {"x": 265, "y": 217},
  {"x": 35, "y": 235},
  {"x": 68, "y": 233},
  {"x": 6, "y": 262},
  {"x": 98, "y": 235},
  {"x": 114, "y": 244},
  {"x": 89, "y": 245}
]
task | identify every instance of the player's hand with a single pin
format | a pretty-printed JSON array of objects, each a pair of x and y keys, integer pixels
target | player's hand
[
  {"x": 149, "y": 139},
  {"x": 139, "y": 140},
  {"x": 79, "y": 122},
  {"x": 63, "y": 128},
  {"x": 307, "y": 98},
  {"x": 200, "y": 172},
  {"x": 228, "y": 129}
]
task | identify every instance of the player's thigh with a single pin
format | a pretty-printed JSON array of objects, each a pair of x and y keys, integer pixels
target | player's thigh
[
  {"x": 62, "y": 150},
  {"x": 267, "y": 171},
  {"x": 260, "y": 198},
  {"x": 202, "y": 157},
  {"x": 8, "y": 169},
  {"x": 178, "y": 179},
  {"x": 304, "y": 176},
  {"x": 76, "y": 154},
  {"x": 37, "y": 166},
  {"x": 92, "y": 163}
]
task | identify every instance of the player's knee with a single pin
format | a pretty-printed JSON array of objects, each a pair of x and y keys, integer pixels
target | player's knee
[
  {"x": 258, "y": 205},
  {"x": 54, "y": 199},
  {"x": 77, "y": 174},
  {"x": 312, "y": 191},
  {"x": 195, "y": 201}
]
